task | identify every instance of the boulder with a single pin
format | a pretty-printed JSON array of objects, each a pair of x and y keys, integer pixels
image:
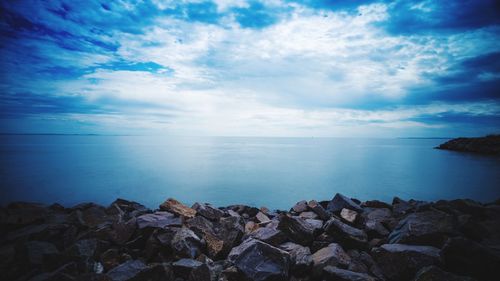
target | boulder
[
  {"x": 340, "y": 202},
  {"x": 208, "y": 211},
  {"x": 333, "y": 255},
  {"x": 300, "y": 256},
  {"x": 300, "y": 207},
  {"x": 186, "y": 243},
  {"x": 308, "y": 215},
  {"x": 345, "y": 234},
  {"x": 296, "y": 229},
  {"x": 126, "y": 271},
  {"x": 348, "y": 215},
  {"x": 158, "y": 220},
  {"x": 259, "y": 261},
  {"x": 262, "y": 218},
  {"x": 338, "y": 274},
  {"x": 376, "y": 204},
  {"x": 424, "y": 228},
  {"x": 269, "y": 235},
  {"x": 434, "y": 273},
  {"x": 466, "y": 257},
  {"x": 90, "y": 214},
  {"x": 176, "y": 207},
  {"x": 191, "y": 270},
  {"x": 400, "y": 262},
  {"x": 319, "y": 210}
]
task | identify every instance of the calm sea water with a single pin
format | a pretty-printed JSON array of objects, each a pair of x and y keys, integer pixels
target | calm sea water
[{"x": 272, "y": 172}]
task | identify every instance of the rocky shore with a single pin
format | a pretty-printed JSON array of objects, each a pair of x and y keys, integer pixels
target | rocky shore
[
  {"x": 484, "y": 145},
  {"x": 340, "y": 239}
]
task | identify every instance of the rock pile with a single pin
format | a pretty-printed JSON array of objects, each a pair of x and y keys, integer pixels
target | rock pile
[{"x": 341, "y": 239}]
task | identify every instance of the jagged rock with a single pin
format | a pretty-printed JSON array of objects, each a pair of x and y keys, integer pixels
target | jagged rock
[
  {"x": 250, "y": 227},
  {"x": 90, "y": 214},
  {"x": 301, "y": 258},
  {"x": 466, "y": 257},
  {"x": 375, "y": 229},
  {"x": 335, "y": 273},
  {"x": 333, "y": 255},
  {"x": 348, "y": 215},
  {"x": 401, "y": 207},
  {"x": 300, "y": 207},
  {"x": 243, "y": 209},
  {"x": 340, "y": 202},
  {"x": 158, "y": 220},
  {"x": 400, "y": 262},
  {"x": 346, "y": 234},
  {"x": 176, "y": 207},
  {"x": 434, "y": 273},
  {"x": 297, "y": 229},
  {"x": 424, "y": 228},
  {"x": 269, "y": 235},
  {"x": 263, "y": 219},
  {"x": 127, "y": 270},
  {"x": 308, "y": 215},
  {"x": 186, "y": 243},
  {"x": 121, "y": 232},
  {"x": 259, "y": 261},
  {"x": 317, "y": 226},
  {"x": 208, "y": 211},
  {"x": 319, "y": 210},
  {"x": 125, "y": 210},
  {"x": 191, "y": 270},
  {"x": 376, "y": 204}
]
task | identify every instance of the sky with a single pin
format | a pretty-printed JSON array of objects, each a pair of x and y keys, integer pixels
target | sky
[{"x": 281, "y": 68}]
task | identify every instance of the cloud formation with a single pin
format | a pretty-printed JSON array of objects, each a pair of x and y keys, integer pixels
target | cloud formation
[{"x": 264, "y": 68}]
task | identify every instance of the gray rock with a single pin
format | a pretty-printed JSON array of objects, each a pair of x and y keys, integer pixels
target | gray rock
[
  {"x": 300, "y": 207},
  {"x": 260, "y": 261},
  {"x": 300, "y": 256},
  {"x": 208, "y": 211},
  {"x": 127, "y": 270},
  {"x": 340, "y": 202},
  {"x": 333, "y": 255},
  {"x": 308, "y": 215},
  {"x": 186, "y": 243},
  {"x": 297, "y": 229},
  {"x": 191, "y": 270},
  {"x": 347, "y": 235},
  {"x": 424, "y": 228},
  {"x": 319, "y": 210},
  {"x": 158, "y": 220},
  {"x": 269, "y": 235},
  {"x": 338, "y": 274},
  {"x": 400, "y": 262}
]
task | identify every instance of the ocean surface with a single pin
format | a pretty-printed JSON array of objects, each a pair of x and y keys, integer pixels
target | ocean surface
[{"x": 272, "y": 172}]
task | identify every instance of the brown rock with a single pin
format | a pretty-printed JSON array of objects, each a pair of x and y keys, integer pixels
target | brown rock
[{"x": 176, "y": 207}]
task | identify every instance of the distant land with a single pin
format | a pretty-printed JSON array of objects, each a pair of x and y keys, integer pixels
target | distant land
[{"x": 484, "y": 145}]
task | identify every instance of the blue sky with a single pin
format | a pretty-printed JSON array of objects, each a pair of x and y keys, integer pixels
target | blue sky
[{"x": 251, "y": 68}]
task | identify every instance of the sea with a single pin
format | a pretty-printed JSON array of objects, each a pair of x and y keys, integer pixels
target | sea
[{"x": 271, "y": 172}]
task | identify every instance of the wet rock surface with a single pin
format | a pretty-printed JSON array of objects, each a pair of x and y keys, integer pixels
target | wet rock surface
[{"x": 340, "y": 239}]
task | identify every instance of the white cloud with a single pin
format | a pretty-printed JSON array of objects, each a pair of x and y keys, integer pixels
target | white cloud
[{"x": 290, "y": 78}]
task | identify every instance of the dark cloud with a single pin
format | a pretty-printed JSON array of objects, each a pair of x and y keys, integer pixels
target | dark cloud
[{"x": 410, "y": 17}]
